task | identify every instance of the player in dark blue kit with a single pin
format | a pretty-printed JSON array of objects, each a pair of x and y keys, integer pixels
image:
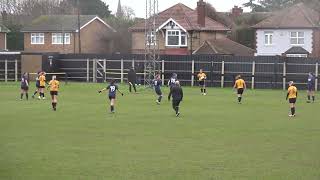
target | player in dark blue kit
[
  {"x": 113, "y": 88},
  {"x": 311, "y": 87},
  {"x": 37, "y": 85},
  {"x": 172, "y": 80},
  {"x": 24, "y": 86},
  {"x": 177, "y": 96},
  {"x": 157, "y": 87}
]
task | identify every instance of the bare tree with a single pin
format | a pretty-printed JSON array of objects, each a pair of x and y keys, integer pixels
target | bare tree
[
  {"x": 30, "y": 7},
  {"x": 128, "y": 12}
]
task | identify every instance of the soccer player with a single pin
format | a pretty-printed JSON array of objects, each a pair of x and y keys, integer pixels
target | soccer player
[
  {"x": 113, "y": 88},
  {"x": 240, "y": 85},
  {"x": 202, "y": 78},
  {"x": 172, "y": 80},
  {"x": 132, "y": 79},
  {"x": 177, "y": 96},
  {"x": 42, "y": 80},
  {"x": 157, "y": 87},
  {"x": 54, "y": 88},
  {"x": 24, "y": 86},
  {"x": 292, "y": 96},
  {"x": 37, "y": 85},
  {"x": 311, "y": 87}
]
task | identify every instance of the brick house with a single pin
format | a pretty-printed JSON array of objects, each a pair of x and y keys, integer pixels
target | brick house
[
  {"x": 3, "y": 36},
  {"x": 292, "y": 32},
  {"x": 59, "y": 33},
  {"x": 181, "y": 30}
]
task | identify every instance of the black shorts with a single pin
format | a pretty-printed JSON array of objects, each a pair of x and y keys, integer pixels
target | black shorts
[
  {"x": 292, "y": 100},
  {"x": 42, "y": 87},
  {"x": 158, "y": 91},
  {"x": 54, "y": 93},
  {"x": 176, "y": 102},
  {"x": 112, "y": 97},
  {"x": 311, "y": 87},
  {"x": 201, "y": 83},
  {"x": 25, "y": 88},
  {"x": 240, "y": 91}
]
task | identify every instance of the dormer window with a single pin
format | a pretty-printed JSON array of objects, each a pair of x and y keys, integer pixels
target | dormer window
[
  {"x": 176, "y": 38},
  {"x": 176, "y": 35}
]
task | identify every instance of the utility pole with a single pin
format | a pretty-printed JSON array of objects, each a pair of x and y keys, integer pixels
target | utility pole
[{"x": 79, "y": 34}]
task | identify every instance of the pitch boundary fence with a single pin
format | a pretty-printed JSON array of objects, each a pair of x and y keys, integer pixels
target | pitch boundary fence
[
  {"x": 9, "y": 70},
  {"x": 220, "y": 73}
]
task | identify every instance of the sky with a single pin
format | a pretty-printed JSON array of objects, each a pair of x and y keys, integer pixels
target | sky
[{"x": 139, "y": 5}]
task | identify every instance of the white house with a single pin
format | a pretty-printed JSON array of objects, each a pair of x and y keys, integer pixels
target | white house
[{"x": 293, "y": 32}]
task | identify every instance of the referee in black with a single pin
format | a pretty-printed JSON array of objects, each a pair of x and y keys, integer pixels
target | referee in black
[
  {"x": 177, "y": 96},
  {"x": 132, "y": 79}
]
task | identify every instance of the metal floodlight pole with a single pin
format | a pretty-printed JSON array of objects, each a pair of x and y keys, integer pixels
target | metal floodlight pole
[{"x": 151, "y": 42}]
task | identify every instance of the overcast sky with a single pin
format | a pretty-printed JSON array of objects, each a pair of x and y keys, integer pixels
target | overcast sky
[{"x": 139, "y": 5}]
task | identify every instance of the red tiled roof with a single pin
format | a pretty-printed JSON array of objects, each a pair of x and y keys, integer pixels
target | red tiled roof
[
  {"x": 185, "y": 17},
  {"x": 224, "y": 46},
  {"x": 297, "y": 16}
]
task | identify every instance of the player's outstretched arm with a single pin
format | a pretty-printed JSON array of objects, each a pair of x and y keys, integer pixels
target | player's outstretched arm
[
  {"x": 49, "y": 85},
  {"x": 181, "y": 94},
  {"x": 170, "y": 93},
  {"x": 102, "y": 90},
  {"x": 120, "y": 92}
]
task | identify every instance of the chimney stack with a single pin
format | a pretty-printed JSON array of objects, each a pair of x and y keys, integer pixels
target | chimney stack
[
  {"x": 236, "y": 11},
  {"x": 201, "y": 9}
]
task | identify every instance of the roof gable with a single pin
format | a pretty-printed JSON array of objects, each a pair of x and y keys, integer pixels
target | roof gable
[
  {"x": 168, "y": 21},
  {"x": 296, "y": 50},
  {"x": 224, "y": 46},
  {"x": 98, "y": 19},
  {"x": 67, "y": 23},
  {"x": 185, "y": 17},
  {"x": 297, "y": 16}
]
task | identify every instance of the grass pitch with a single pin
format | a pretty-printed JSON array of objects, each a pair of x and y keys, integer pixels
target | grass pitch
[{"x": 215, "y": 138}]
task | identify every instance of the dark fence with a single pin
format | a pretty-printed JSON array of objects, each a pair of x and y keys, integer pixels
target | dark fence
[
  {"x": 259, "y": 72},
  {"x": 10, "y": 67}
]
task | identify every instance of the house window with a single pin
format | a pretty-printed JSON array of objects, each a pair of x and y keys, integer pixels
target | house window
[
  {"x": 37, "y": 38},
  {"x": 268, "y": 38},
  {"x": 67, "y": 38},
  {"x": 297, "y": 38},
  {"x": 57, "y": 38},
  {"x": 176, "y": 38},
  {"x": 151, "y": 38},
  {"x": 183, "y": 39}
]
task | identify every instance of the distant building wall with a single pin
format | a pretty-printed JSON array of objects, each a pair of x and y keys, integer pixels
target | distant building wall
[{"x": 281, "y": 41}]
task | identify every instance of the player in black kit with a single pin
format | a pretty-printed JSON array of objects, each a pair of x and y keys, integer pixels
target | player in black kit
[
  {"x": 113, "y": 88},
  {"x": 177, "y": 96},
  {"x": 157, "y": 88}
]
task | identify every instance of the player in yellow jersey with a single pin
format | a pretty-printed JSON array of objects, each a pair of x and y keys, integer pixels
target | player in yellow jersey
[
  {"x": 240, "y": 85},
  {"x": 292, "y": 96},
  {"x": 42, "y": 81},
  {"x": 54, "y": 88},
  {"x": 202, "y": 82}
]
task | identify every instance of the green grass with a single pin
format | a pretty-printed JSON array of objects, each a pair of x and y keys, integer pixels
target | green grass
[{"x": 215, "y": 138}]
